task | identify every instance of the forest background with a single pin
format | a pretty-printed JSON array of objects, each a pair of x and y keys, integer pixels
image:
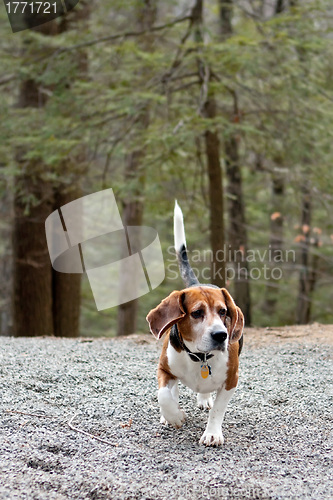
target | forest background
[{"x": 226, "y": 105}]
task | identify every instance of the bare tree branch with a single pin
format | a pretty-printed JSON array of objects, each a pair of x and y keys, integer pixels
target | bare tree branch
[
  {"x": 7, "y": 79},
  {"x": 126, "y": 34},
  {"x": 38, "y": 415},
  {"x": 92, "y": 436}
]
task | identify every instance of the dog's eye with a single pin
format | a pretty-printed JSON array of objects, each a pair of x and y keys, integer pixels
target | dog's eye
[
  {"x": 197, "y": 314},
  {"x": 222, "y": 312}
]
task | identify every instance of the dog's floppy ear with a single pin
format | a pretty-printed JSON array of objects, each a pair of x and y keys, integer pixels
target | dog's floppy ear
[
  {"x": 236, "y": 316},
  {"x": 166, "y": 314}
]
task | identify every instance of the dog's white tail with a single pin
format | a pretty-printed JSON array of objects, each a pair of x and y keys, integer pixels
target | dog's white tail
[
  {"x": 186, "y": 271},
  {"x": 178, "y": 228}
]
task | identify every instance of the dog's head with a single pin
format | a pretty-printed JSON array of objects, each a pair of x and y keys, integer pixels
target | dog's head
[{"x": 206, "y": 316}]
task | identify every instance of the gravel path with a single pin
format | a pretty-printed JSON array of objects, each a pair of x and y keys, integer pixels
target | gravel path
[{"x": 278, "y": 426}]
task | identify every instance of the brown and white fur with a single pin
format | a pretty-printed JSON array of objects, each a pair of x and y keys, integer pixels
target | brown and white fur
[{"x": 201, "y": 321}]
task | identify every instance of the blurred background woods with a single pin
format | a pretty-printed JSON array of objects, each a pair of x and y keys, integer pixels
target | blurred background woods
[{"x": 226, "y": 105}]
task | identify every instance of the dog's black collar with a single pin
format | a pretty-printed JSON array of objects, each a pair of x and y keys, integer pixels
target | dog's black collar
[{"x": 177, "y": 342}]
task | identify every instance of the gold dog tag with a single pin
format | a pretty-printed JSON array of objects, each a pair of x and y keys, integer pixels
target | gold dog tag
[{"x": 204, "y": 371}]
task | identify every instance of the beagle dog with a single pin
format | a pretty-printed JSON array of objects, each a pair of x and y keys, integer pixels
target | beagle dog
[{"x": 203, "y": 330}]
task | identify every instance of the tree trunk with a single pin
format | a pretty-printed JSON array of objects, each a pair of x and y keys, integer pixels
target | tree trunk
[
  {"x": 66, "y": 288},
  {"x": 279, "y": 6},
  {"x": 226, "y": 10},
  {"x": 214, "y": 170},
  {"x": 215, "y": 186},
  {"x": 6, "y": 263},
  {"x": 32, "y": 272},
  {"x": 132, "y": 216},
  {"x": 304, "y": 301},
  {"x": 313, "y": 275},
  {"x": 238, "y": 239},
  {"x": 44, "y": 302},
  {"x": 237, "y": 228},
  {"x": 276, "y": 240},
  {"x": 135, "y": 175},
  {"x": 276, "y": 220}
]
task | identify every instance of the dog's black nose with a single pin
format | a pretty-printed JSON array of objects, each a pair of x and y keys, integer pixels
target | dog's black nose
[{"x": 219, "y": 336}]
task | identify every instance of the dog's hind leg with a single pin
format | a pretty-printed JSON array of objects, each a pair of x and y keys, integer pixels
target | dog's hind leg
[{"x": 205, "y": 401}]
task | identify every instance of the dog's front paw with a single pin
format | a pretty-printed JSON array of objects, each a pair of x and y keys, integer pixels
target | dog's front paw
[
  {"x": 209, "y": 439},
  {"x": 176, "y": 420}
]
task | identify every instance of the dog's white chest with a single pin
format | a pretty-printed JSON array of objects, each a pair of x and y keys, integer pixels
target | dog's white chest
[{"x": 189, "y": 372}]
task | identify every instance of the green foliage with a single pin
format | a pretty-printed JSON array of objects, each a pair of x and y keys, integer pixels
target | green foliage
[{"x": 279, "y": 69}]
